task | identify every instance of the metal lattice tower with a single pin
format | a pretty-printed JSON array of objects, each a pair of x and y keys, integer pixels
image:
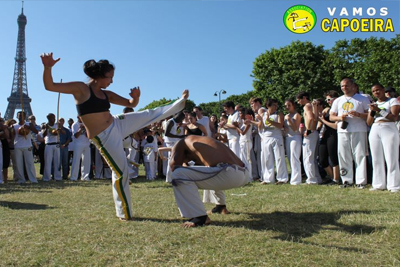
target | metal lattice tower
[{"x": 19, "y": 90}]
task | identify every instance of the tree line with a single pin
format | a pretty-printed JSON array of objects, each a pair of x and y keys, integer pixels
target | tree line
[{"x": 281, "y": 73}]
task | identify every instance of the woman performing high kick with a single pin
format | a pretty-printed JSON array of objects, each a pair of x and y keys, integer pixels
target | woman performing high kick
[{"x": 104, "y": 130}]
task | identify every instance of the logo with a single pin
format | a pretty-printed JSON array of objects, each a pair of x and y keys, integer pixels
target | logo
[
  {"x": 357, "y": 19},
  {"x": 348, "y": 106},
  {"x": 299, "y": 19}
]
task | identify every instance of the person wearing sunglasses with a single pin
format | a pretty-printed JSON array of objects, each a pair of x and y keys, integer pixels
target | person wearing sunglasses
[{"x": 328, "y": 143}]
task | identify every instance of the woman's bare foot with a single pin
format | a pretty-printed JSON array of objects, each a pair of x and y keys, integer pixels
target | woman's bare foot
[{"x": 195, "y": 222}]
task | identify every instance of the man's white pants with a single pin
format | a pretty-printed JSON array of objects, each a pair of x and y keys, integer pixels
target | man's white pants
[
  {"x": 235, "y": 146},
  {"x": 81, "y": 151},
  {"x": 353, "y": 146},
  {"x": 167, "y": 155},
  {"x": 21, "y": 155},
  {"x": 245, "y": 155},
  {"x": 52, "y": 159},
  {"x": 293, "y": 152},
  {"x": 384, "y": 144},
  {"x": 273, "y": 153},
  {"x": 310, "y": 163},
  {"x": 109, "y": 143},
  {"x": 187, "y": 181}
]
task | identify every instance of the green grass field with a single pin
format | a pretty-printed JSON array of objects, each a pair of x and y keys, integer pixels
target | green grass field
[{"x": 74, "y": 224}]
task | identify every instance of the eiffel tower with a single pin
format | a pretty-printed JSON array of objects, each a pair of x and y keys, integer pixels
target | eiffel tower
[{"x": 19, "y": 98}]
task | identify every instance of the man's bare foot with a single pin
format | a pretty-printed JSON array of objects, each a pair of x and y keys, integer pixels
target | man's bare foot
[
  {"x": 219, "y": 209},
  {"x": 195, "y": 222},
  {"x": 126, "y": 220}
]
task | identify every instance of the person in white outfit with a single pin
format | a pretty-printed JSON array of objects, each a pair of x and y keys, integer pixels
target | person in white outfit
[
  {"x": 246, "y": 138},
  {"x": 107, "y": 131},
  {"x": 203, "y": 120},
  {"x": 81, "y": 152},
  {"x": 272, "y": 152},
  {"x": 216, "y": 168},
  {"x": 384, "y": 141},
  {"x": 231, "y": 126},
  {"x": 310, "y": 139},
  {"x": 150, "y": 150},
  {"x": 351, "y": 111},
  {"x": 52, "y": 149},
  {"x": 258, "y": 108},
  {"x": 294, "y": 141},
  {"x": 21, "y": 133}
]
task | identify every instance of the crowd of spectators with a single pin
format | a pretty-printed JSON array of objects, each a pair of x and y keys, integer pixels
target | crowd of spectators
[{"x": 343, "y": 138}]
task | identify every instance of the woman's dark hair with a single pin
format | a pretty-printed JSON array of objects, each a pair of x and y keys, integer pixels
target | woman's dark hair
[
  {"x": 270, "y": 102},
  {"x": 193, "y": 115},
  {"x": 290, "y": 100},
  {"x": 98, "y": 69},
  {"x": 246, "y": 111},
  {"x": 332, "y": 93}
]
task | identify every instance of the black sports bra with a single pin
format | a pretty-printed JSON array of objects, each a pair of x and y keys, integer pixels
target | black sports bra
[{"x": 93, "y": 104}]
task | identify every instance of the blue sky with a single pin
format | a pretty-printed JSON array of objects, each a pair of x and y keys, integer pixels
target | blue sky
[{"x": 161, "y": 46}]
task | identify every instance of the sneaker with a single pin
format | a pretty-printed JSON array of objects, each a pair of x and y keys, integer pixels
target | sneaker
[
  {"x": 345, "y": 185},
  {"x": 360, "y": 186},
  {"x": 395, "y": 190},
  {"x": 278, "y": 183}
]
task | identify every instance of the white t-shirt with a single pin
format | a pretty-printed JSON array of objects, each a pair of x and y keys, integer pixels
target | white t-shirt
[
  {"x": 82, "y": 139},
  {"x": 50, "y": 138},
  {"x": 386, "y": 105},
  {"x": 149, "y": 150},
  {"x": 205, "y": 121},
  {"x": 343, "y": 105},
  {"x": 232, "y": 133},
  {"x": 21, "y": 141}
]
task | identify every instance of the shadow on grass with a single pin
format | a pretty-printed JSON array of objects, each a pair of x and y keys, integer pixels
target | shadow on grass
[
  {"x": 295, "y": 227},
  {"x": 46, "y": 187},
  {"x": 23, "y": 206}
]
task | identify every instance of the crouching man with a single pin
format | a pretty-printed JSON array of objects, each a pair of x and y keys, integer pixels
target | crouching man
[{"x": 220, "y": 170}]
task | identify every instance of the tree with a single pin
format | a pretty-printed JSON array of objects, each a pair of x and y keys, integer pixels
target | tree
[
  {"x": 367, "y": 61},
  {"x": 283, "y": 73}
]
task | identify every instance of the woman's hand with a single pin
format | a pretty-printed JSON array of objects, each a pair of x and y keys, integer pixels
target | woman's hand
[
  {"x": 135, "y": 92},
  {"x": 47, "y": 60}
]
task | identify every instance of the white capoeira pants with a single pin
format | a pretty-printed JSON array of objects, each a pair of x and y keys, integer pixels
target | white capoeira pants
[
  {"x": 293, "y": 152},
  {"x": 187, "y": 181},
  {"x": 150, "y": 168},
  {"x": 52, "y": 159},
  {"x": 129, "y": 146},
  {"x": 246, "y": 148},
  {"x": 310, "y": 163},
  {"x": 384, "y": 144},
  {"x": 109, "y": 143},
  {"x": 21, "y": 155},
  {"x": 80, "y": 151},
  {"x": 166, "y": 155},
  {"x": 353, "y": 146},
  {"x": 273, "y": 153},
  {"x": 235, "y": 146}
]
